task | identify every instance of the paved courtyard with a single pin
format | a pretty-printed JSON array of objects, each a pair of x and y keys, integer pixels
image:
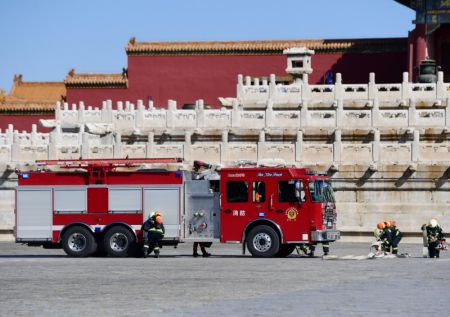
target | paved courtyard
[{"x": 38, "y": 282}]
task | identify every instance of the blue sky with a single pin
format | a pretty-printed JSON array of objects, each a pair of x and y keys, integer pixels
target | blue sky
[{"x": 43, "y": 40}]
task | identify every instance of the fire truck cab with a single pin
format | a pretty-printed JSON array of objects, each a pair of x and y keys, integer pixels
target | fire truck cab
[
  {"x": 99, "y": 206},
  {"x": 274, "y": 209}
]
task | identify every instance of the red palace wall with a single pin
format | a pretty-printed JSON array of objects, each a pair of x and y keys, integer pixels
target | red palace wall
[
  {"x": 23, "y": 122},
  {"x": 188, "y": 78}
]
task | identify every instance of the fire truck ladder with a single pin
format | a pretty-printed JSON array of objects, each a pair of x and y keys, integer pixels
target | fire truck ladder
[{"x": 98, "y": 168}]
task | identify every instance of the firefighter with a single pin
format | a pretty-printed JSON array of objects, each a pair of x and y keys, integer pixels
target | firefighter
[
  {"x": 391, "y": 237},
  {"x": 386, "y": 237},
  {"x": 434, "y": 237},
  {"x": 153, "y": 230},
  {"x": 396, "y": 237},
  {"x": 308, "y": 249},
  {"x": 378, "y": 231},
  {"x": 203, "y": 246}
]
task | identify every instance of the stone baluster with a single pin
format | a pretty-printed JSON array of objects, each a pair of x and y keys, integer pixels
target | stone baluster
[
  {"x": 81, "y": 110},
  {"x": 171, "y": 108},
  {"x": 337, "y": 146},
  {"x": 15, "y": 147},
  {"x": 187, "y": 147},
  {"x": 441, "y": 92},
  {"x": 235, "y": 115},
  {"x": 150, "y": 146},
  {"x": 412, "y": 113},
  {"x": 299, "y": 146},
  {"x": 376, "y": 113},
  {"x": 84, "y": 145},
  {"x": 269, "y": 113},
  {"x": 224, "y": 146},
  {"x": 376, "y": 145},
  {"x": 372, "y": 86},
  {"x": 240, "y": 87},
  {"x": 117, "y": 145},
  {"x": 415, "y": 146},
  {"x": 447, "y": 114},
  {"x": 139, "y": 117},
  {"x": 10, "y": 134},
  {"x": 340, "y": 114},
  {"x": 272, "y": 86},
  {"x": 304, "y": 114},
  {"x": 200, "y": 106},
  {"x": 338, "y": 89},
  {"x": 406, "y": 87}
]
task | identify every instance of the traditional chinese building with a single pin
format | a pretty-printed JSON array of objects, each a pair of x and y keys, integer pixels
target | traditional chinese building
[
  {"x": 28, "y": 102},
  {"x": 431, "y": 36},
  {"x": 187, "y": 71}
]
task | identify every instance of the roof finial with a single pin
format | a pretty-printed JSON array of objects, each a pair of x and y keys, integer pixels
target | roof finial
[
  {"x": 132, "y": 41},
  {"x": 18, "y": 78},
  {"x": 71, "y": 72}
]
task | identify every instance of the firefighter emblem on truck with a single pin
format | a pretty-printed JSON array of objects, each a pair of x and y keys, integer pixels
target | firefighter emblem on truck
[{"x": 291, "y": 214}]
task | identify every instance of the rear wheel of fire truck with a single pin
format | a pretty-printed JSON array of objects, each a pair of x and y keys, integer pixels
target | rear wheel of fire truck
[
  {"x": 285, "y": 250},
  {"x": 263, "y": 242},
  {"x": 119, "y": 242},
  {"x": 79, "y": 242}
]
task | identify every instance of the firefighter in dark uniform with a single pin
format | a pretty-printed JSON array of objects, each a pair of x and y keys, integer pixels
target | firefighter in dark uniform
[
  {"x": 434, "y": 235},
  {"x": 153, "y": 230},
  {"x": 391, "y": 237},
  {"x": 396, "y": 237},
  {"x": 386, "y": 236}
]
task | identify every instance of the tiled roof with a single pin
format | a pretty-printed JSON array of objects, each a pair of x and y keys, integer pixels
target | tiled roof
[
  {"x": 95, "y": 80},
  {"x": 263, "y": 47},
  {"x": 47, "y": 92}
]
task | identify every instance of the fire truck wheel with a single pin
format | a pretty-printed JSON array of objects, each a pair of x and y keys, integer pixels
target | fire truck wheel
[
  {"x": 285, "y": 250},
  {"x": 119, "y": 242},
  {"x": 263, "y": 242},
  {"x": 79, "y": 242}
]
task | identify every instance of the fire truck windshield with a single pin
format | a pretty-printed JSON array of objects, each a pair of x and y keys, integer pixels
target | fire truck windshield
[{"x": 321, "y": 191}]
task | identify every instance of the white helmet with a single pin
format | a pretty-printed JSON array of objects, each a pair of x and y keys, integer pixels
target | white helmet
[{"x": 433, "y": 223}]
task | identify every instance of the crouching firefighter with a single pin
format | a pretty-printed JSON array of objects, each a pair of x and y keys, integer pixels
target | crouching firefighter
[
  {"x": 153, "y": 231},
  {"x": 391, "y": 237}
]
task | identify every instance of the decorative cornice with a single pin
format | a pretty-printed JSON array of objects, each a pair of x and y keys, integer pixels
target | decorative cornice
[
  {"x": 265, "y": 47},
  {"x": 96, "y": 80},
  {"x": 26, "y": 107}
]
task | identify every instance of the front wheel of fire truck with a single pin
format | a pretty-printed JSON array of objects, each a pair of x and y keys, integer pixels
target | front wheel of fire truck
[
  {"x": 119, "y": 242},
  {"x": 263, "y": 242},
  {"x": 78, "y": 242}
]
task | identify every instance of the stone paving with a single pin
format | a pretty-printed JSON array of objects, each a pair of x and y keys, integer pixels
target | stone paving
[{"x": 38, "y": 282}]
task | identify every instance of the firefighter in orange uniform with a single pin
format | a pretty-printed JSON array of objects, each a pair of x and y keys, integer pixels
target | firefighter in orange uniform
[{"x": 153, "y": 230}]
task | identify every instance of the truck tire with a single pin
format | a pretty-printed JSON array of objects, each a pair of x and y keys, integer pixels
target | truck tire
[
  {"x": 285, "y": 250},
  {"x": 119, "y": 242},
  {"x": 78, "y": 242},
  {"x": 263, "y": 242}
]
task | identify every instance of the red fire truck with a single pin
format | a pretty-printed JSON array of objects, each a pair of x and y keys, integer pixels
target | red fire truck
[{"x": 98, "y": 206}]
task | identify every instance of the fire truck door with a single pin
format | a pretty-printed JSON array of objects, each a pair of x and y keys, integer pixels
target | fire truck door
[
  {"x": 234, "y": 210},
  {"x": 290, "y": 209},
  {"x": 167, "y": 201}
]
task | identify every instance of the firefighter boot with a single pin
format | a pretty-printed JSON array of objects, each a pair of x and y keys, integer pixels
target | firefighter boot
[
  {"x": 156, "y": 252},
  {"x": 145, "y": 251}
]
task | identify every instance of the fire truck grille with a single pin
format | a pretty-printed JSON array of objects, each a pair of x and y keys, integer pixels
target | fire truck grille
[{"x": 329, "y": 216}]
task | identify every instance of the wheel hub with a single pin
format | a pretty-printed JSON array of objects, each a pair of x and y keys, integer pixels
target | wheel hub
[
  {"x": 77, "y": 242},
  {"x": 262, "y": 242},
  {"x": 118, "y": 242}
]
